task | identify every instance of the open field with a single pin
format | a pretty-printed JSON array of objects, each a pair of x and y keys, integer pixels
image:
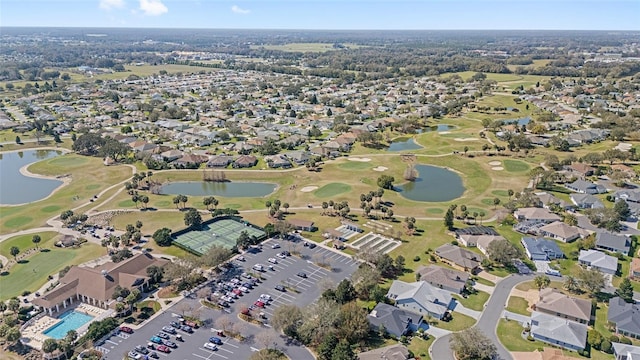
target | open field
[
  {"x": 88, "y": 177},
  {"x": 31, "y": 273}
]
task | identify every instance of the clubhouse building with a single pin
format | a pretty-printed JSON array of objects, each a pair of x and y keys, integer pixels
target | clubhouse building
[{"x": 95, "y": 286}]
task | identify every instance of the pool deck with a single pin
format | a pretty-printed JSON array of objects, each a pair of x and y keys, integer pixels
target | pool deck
[{"x": 33, "y": 333}]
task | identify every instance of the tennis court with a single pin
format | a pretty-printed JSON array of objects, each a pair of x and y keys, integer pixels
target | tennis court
[{"x": 219, "y": 232}]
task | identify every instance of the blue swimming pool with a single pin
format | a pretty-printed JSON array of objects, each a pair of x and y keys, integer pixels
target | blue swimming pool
[{"x": 71, "y": 320}]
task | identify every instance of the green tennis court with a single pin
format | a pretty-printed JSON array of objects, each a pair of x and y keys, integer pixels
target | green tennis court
[{"x": 219, "y": 232}]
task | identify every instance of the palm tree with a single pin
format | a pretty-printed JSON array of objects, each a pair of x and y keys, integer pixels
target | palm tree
[
  {"x": 176, "y": 200},
  {"x": 14, "y": 252},
  {"x": 183, "y": 200},
  {"x": 36, "y": 239},
  {"x": 206, "y": 201},
  {"x": 481, "y": 214},
  {"x": 541, "y": 281},
  {"x": 571, "y": 284},
  {"x": 145, "y": 200},
  {"x": 215, "y": 203}
]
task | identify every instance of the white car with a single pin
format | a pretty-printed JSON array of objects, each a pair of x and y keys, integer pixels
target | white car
[
  {"x": 210, "y": 346},
  {"x": 275, "y": 246},
  {"x": 273, "y": 260},
  {"x": 243, "y": 289},
  {"x": 258, "y": 267},
  {"x": 281, "y": 255},
  {"x": 266, "y": 297}
]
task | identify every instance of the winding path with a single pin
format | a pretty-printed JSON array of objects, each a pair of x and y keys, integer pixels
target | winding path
[{"x": 488, "y": 322}]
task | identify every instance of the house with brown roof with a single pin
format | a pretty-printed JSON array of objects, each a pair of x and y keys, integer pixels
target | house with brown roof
[
  {"x": 536, "y": 214},
  {"x": 245, "y": 161},
  {"x": 582, "y": 169},
  {"x": 444, "y": 278},
  {"x": 634, "y": 268},
  {"x": 459, "y": 258},
  {"x": 555, "y": 303},
  {"x": 562, "y": 231},
  {"x": 95, "y": 286}
]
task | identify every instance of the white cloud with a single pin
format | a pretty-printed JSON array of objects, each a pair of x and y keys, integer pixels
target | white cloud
[
  {"x": 153, "y": 7},
  {"x": 238, "y": 10},
  {"x": 111, "y": 4}
]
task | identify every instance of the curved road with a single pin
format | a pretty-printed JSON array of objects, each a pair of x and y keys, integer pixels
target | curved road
[{"x": 488, "y": 321}]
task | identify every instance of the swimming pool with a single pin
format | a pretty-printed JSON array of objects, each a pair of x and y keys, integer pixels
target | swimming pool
[{"x": 71, "y": 320}]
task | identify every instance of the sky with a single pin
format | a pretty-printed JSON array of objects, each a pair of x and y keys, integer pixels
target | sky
[{"x": 327, "y": 14}]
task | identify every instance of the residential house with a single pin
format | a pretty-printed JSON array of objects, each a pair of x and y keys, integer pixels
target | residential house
[
  {"x": 630, "y": 196},
  {"x": 561, "y": 231},
  {"x": 278, "y": 161},
  {"x": 634, "y": 269},
  {"x": 598, "y": 260},
  {"x": 171, "y": 155},
  {"x": 581, "y": 169},
  {"x": 557, "y": 331},
  {"x": 536, "y": 214},
  {"x": 625, "y": 316},
  {"x": 541, "y": 249},
  {"x": 468, "y": 233},
  {"x": 421, "y": 298},
  {"x": 95, "y": 285},
  {"x": 190, "y": 161},
  {"x": 444, "y": 278},
  {"x": 299, "y": 157},
  {"x": 554, "y": 302},
  {"x": 613, "y": 242},
  {"x": 586, "y": 187},
  {"x": 391, "y": 352},
  {"x": 547, "y": 200},
  {"x": 245, "y": 161},
  {"x": 626, "y": 352},
  {"x": 396, "y": 322},
  {"x": 586, "y": 201},
  {"x": 220, "y": 161},
  {"x": 300, "y": 224},
  {"x": 459, "y": 258}
]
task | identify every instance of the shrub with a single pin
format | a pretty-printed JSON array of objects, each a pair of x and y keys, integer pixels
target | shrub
[
  {"x": 417, "y": 258},
  {"x": 624, "y": 340},
  {"x": 530, "y": 338},
  {"x": 26, "y": 293},
  {"x": 606, "y": 346},
  {"x": 614, "y": 338}
]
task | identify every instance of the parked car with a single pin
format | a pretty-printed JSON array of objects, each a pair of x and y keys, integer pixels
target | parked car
[
  {"x": 275, "y": 246},
  {"x": 156, "y": 339},
  {"x": 241, "y": 258},
  {"x": 154, "y": 355},
  {"x": 134, "y": 355},
  {"x": 273, "y": 260},
  {"x": 169, "y": 329},
  {"x": 174, "y": 324},
  {"x": 280, "y": 288},
  {"x": 163, "y": 335},
  {"x": 258, "y": 267},
  {"x": 141, "y": 349},
  {"x": 193, "y": 324},
  {"x": 238, "y": 292},
  {"x": 266, "y": 297},
  {"x": 281, "y": 255},
  {"x": 210, "y": 346},
  {"x": 186, "y": 328},
  {"x": 259, "y": 304},
  {"x": 312, "y": 245},
  {"x": 302, "y": 274},
  {"x": 164, "y": 348},
  {"x": 215, "y": 340},
  {"x": 169, "y": 343},
  {"x": 126, "y": 329}
]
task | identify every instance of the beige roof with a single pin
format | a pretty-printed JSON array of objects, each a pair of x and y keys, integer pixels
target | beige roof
[
  {"x": 553, "y": 301},
  {"x": 450, "y": 278},
  {"x": 563, "y": 230},
  {"x": 391, "y": 352},
  {"x": 536, "y": 214},
  {"x": 459, "y": 256}
]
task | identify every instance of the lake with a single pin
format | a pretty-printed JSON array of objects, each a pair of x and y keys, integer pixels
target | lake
[
  {"x": 408, "y": 144},
  {"x": 224, "y": 189},
  {"x": 438, "y": 128},
  {"x": 16, "y": 188},
  {"x": 520, "y": 121},
  {"x": 434, "y": 184}
]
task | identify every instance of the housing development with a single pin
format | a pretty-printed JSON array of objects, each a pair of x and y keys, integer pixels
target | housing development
[{"x": 183, "y": 194}]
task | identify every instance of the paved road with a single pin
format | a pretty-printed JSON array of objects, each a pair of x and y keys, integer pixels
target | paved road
[{"x": 487, "y": 322}]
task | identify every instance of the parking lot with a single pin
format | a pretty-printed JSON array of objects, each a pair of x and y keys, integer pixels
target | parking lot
[{"x": 300, "y": 291}]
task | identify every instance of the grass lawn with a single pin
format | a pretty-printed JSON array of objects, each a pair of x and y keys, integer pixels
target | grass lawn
[
  {"x": 459, "y": 322},
  {"x": 518, "y": 305},
  {"x": 475, "y": 301},
  {"x": 420, "y": 347},
  {"x": 32, "y": 273},
  {"x": 529, "y": 285},
  {"x": 23, "y": 242}
]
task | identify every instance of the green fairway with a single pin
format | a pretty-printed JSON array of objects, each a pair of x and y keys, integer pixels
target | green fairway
[
  {"x": 332, "y": 189},
  {"x": 355, "y": 165},
  {"x": 515, "y": 165},
  {"x": 23, "y": 242},
  {"x": 32, "y": 274}
]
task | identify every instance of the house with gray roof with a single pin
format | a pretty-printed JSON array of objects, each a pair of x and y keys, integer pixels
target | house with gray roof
[
  {"x": 444, "y": 278},
  {"x": 553, "y": 302},
  {"x": 627, "y": 195},
  {"x": 598, "y": 260},
  {"x": 586, "y": 187},
  {"x": 421, "y": 298},
  {"x": 459, "y": 258},
  {"x": 625, "y": 316},
  {"x": 396, "y": 322},
  {"x": 541, "y": 249},
  {"x": 557, "y": 331},
  {"x": 613, "y": 242},
  {"x": 626, "y": 352},
  {"x": 586, "y": 201},
  {"x": 536, "y": 214}
]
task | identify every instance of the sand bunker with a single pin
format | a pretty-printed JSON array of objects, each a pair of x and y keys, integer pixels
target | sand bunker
[
  {"x": 495, "y": 163},
  {"x": 359, "y": 159},
  {"x": 380, "y": 168},
  {"x": 444, "y": 132},
  {"x": 497, "y": 168},
  {"x": 466, "y": 139},
  {"x": 309, "y": 188}
]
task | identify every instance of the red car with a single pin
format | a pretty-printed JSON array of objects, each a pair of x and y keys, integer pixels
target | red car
[
  {"x": 259, "y": 304},
  {"x": 237, "y": 292},
  {"x": 163, "y": 348},
  {"x": 191, "y": 323},
  {"x": 126, "y": 329}
]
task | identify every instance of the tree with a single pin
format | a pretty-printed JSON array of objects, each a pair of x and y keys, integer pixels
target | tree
[
  {"x": 503, "y": 252},
  {"x": 176, "y": 200},
  {"x": 18, "y": 140},
  {"x": 364, "y": 279},
  {"x": 14, "y": 251},
  {"x": 162, "y": 237},
  {"x": 622, "y": 210},
  {"x": 385, "y": 181},
  {"x": 541, "y": 281},
  {"x": 571, "y": 284},
  {"x": 345, "y": 292},
  {"x": 36, "y": 240},
  {"x": 183, "y": 200},
  {"x": 224, "y": 323},
  {"x": 354, "y": 325},
  {"x": 594, "y": 338},
  {"x": 591, "y": 280},
  {"x": 343, "y": 351},
  {"x": 215, "y": 256},
  {"x": 193, "y": 219},
  {"x": 243, "y": 241},
  {"x": 496, "y": 202},
  {"x": 625, "y": 291},
  {"x": 14, "y": 305},
  {"x": 49, "y": 346},
  {"x": 472, "y": 344},
  {"x": 448, "y": 219},
  {"x": 287, "y": 318},
  {"x": 155, "y": 274},
  {"x": 326, "y": 347},
  {"x": 144, "y": 199}
]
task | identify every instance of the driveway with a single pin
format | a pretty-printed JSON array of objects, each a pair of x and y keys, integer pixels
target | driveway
[{"x": 487, "y": 322}]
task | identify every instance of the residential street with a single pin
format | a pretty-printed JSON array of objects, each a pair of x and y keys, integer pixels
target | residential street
[{"x": 488, "y": 321}]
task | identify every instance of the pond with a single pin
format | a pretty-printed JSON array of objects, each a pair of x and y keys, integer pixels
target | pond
[
  {"x": 434, "y": 184},
  {"x": 224, "y": 189},
  {"x": 16, "y": 188},
  {"x": 408, "y": 144},
  {"x": 438, "y": 128},
  {"x": 520, "y": 121}
]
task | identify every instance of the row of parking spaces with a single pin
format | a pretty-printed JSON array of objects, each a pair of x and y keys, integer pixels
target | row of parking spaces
[
  {"x": 376, "y": 242},
  {"x": 109, "y": 343},
  {"x": 226, "y": 350}
]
